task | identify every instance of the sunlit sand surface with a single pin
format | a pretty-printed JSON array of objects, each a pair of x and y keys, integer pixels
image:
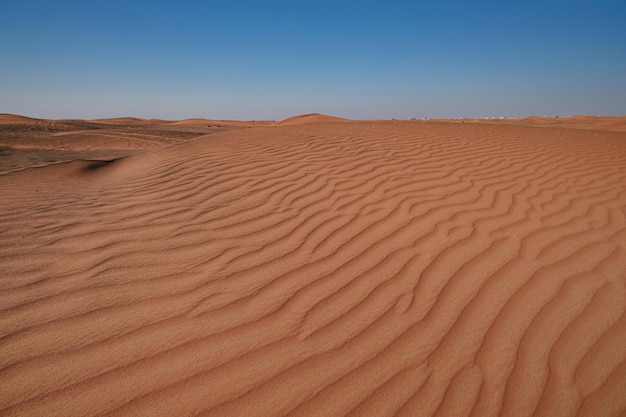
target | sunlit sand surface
[{"x": 313, "y": 267}]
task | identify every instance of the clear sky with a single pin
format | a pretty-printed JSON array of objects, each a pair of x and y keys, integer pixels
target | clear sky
[{"x": 268, "y": 59}]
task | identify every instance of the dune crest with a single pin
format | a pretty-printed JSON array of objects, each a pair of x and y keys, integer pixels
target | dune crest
[
  {"x": 310, "y": 118},
  {"x": 128, "y": 121},
  {"x": 321, "y": 269},
  {"x": 14, "y": 119}
]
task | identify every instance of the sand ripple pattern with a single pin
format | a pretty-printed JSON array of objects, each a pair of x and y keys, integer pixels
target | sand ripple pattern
[{"x": 348, "y": 269}]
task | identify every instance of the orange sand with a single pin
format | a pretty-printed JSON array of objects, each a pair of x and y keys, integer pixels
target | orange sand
[
  {"x": 310, "y": 118},
  {"x": 312, "y": 269}
]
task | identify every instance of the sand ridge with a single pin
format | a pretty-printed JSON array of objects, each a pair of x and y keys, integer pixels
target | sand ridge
[
  {"x": 26, "y": 142},
  {"x": 321, "y": 269},
  {"x": 14, "y": 119},
  {"x": 310, "y": 118}
]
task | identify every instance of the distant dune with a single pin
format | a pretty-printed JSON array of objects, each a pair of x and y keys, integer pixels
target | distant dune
[
  {"x": 128, "y": 120},
  {"x": 193, "y": 122},
  {"x": 10, "y": 119},
  {"x": 390, "y": 268},
  {"x": 309, "y": 118},
  {"x": 220, "y": 123}
]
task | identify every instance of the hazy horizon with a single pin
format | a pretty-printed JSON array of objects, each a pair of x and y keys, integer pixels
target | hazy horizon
[{"x": 251, "y": 61}]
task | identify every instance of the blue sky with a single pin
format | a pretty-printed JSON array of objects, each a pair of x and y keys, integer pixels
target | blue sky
[{"x": 274, "y": 59}]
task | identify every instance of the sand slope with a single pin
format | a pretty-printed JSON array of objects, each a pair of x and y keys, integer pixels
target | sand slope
[
  {"x": 27, "y": 142},
  {"x": 13, "y": 119},
  {"x": 128, "y": 121},
  {"x": 352, "y": 269}
]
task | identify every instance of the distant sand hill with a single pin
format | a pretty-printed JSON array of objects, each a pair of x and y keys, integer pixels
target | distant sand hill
[
  {"x": 129, "y": 120},
  {"x": 12, "y": 119},
  {"x": 309, "y": 118},
  {"x": 388, "y": 268}
]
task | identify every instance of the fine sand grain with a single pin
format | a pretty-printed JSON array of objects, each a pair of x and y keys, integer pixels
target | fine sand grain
[{"x": 313, "y": 268}]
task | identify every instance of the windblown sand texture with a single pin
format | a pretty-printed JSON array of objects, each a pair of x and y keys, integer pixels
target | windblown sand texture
[{"x": 320, "y": 269}]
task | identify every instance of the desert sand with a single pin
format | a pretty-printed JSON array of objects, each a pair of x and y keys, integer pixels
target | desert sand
[{"x": 314, "y": 267}]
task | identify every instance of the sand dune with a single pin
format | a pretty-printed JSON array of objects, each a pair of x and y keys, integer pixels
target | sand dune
[
  {"x": 27, "y": 143},
  {"x": 10, "y": 119},
  {"x": 194, "y": 122},
  {"x": 309, "y": 118},
  {"x": 129, "y": 121},
  {"x": 316, "y": 269},
  {"x": 221, "y": 123}
]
